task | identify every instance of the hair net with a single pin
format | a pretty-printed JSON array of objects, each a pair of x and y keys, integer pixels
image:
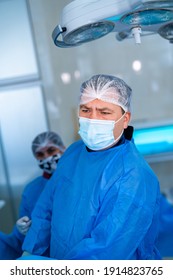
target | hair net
[
  {"x": 46, "y": 139},
  {"x": 106, "y": 88}
]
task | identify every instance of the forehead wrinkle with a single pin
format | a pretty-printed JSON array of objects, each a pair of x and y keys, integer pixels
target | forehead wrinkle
[{"x": 104, "y": 109}]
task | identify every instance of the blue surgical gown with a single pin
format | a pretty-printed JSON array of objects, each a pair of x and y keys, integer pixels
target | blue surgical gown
[
  {"x": 11, "y": 244},
  {"x": 165, "y": 237},
  {"x": 100, "y": 205}
]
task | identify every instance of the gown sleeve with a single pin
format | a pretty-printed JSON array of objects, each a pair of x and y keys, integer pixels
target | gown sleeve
[
  {"x": 37, "y": 240},
  {"x": 11, "y": 244},
  {"x": 24, "y": 209}
]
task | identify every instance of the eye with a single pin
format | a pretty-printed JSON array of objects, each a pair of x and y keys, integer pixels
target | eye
[
  {"x": 84, "y": 110},
  {"x": 105, "y": 113},
  {"x": 39, "y": 154},
  {"x": 51, "y": 150}
]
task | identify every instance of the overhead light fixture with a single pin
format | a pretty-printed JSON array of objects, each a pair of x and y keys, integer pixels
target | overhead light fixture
[
  {"x": 166, "y": 32},
  {"x": 147, "y": 17},
  {"x": 146, "y": 20},
  {"x": 83, "y": 21},
  {"x": 84, "y": 34}
]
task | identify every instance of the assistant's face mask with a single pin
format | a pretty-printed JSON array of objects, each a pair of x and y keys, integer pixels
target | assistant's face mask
[
  {"x": 98, "y": 134},
  {"x": 49, "y": 164}
]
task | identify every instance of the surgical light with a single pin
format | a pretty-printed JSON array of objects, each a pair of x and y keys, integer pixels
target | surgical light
[
  {"x": 83, "y": 21},
  {"x": 89, "y": 32},
  {"x": 148, "y": 17},
  {"x": 166, "y": 32}
]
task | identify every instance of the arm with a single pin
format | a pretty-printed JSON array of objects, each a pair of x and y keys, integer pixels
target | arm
[
  {"x": 38, "y": 237},
  {"x": 30, "y": 196},
  {"x": 23, "y": 223},
  {"x": 11, "y": 244}
]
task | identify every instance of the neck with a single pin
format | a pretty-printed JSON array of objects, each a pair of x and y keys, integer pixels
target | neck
[{"x": 46, "y": 175}]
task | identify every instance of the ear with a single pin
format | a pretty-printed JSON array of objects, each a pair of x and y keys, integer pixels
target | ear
[{"x": 127, "y": 117}]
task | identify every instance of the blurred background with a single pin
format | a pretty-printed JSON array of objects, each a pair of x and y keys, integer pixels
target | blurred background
[{"x": 39, "y": 89}]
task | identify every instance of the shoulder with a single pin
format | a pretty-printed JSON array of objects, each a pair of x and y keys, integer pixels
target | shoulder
[
  {"x": 133, "y": 159},
  {"x": 67, "y": 162},
  {"x": 76, "y": 145},
  {"x": 73, "y": 149},
  {"x": 37, "y": 182}
]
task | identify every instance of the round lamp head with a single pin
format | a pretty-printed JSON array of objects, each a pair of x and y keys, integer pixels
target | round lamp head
[
  {"x": 166, "y": 32},
  {"x": 148, "y": 17},
  {"x": 88, "y": 32}
]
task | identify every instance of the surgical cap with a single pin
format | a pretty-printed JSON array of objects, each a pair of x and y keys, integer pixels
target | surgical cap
[
  {"x": 106, "y": 88},
  {"x": 47, "y": 139}
]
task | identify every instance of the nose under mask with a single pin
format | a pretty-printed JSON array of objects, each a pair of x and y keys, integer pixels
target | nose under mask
[{"x": 98, "y": 134}]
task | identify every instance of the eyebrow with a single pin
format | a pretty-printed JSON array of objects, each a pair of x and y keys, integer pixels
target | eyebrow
[
  {"x": 84, "y": 106},
  {"x": 98, "y": 109},
  {"x": 102, "y": 108}
]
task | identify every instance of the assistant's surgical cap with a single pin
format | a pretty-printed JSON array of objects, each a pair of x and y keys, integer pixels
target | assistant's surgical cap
[
  {"x": 106, "y": 88},
  {"x": 47, "y": 139}
]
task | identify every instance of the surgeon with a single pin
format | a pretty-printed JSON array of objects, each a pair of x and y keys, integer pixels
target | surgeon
[
  {"x": 47, "y": 148},
  {"x": 102, "y": 202}
]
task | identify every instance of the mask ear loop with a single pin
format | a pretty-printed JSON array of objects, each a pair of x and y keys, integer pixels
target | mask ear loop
[
  {"x": 120, "y": 117},
  {"x": 118, "y": 138}
]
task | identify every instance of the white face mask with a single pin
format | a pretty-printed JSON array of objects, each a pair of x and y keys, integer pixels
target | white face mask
[
  {"x": 98, "y": 134},
  {"x": 49, "y": 164}
]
